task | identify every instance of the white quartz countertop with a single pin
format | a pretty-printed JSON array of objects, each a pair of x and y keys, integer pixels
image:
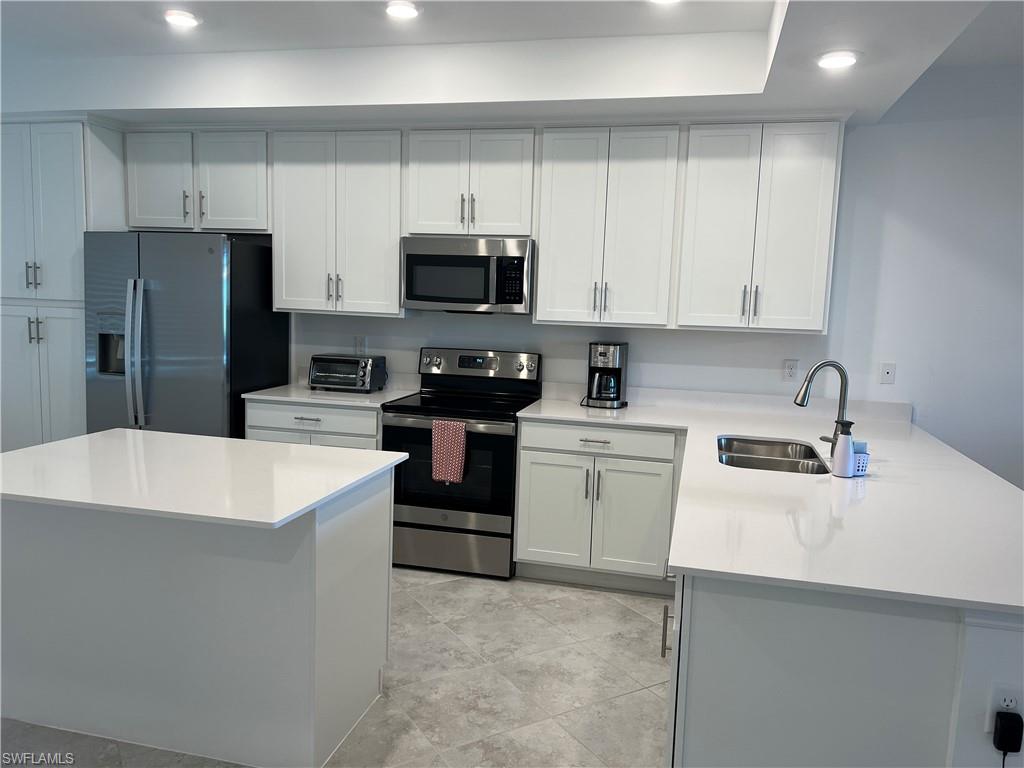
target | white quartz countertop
[
  {"x": 301, "y": 393},
  {"x": 926, "y": 524},
  {"x": 241, "y": 482}
]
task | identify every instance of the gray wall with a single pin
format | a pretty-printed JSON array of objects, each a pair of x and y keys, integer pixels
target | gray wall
[{"x": 928, "y": 275}]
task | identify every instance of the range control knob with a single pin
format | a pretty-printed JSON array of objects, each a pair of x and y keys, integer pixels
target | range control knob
[
  {"x": 437, "y": 362},
  {"x": 519, "y": 365},
  {"x": 531, "y": 366},
  {"x": 426, "y": 359},
  {"x": 362, "y": 363}
]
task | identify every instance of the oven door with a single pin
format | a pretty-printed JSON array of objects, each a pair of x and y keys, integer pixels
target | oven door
[{"x": 484, "y": 500}]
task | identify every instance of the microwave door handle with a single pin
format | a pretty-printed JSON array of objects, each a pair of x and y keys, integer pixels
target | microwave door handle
[{"x": 493, "y": 282}]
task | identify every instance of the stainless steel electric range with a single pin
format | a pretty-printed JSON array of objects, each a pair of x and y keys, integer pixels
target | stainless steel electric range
[{"x": 467, "y": 526}]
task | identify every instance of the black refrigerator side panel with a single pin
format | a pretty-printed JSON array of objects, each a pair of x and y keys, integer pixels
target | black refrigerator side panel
[
  {"x": 111, "y": 262},
  {"x": 258, "y": 335}
]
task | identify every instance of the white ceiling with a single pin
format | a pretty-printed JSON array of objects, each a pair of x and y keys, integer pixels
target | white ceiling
[
  {"x": 85, "y": 29},
  {"x": 995, "y": 37}
]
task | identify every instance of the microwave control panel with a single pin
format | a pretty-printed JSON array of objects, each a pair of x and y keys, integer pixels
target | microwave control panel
[{"x": 510, "y": 280}]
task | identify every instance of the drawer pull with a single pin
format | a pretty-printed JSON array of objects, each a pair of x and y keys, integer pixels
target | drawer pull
[
  {"x": 317, "y": 419},
  {"x": 598, "y": 442},
  {"x": 665, "y": 616}
]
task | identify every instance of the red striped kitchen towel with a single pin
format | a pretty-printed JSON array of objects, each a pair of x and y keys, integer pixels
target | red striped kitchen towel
[{"x": 448, "y": 441}]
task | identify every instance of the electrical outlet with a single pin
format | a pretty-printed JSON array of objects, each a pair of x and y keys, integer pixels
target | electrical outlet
[
  {"x": 1004, "y": 698},
  {"x": 789, "y": 369},
  {"x": 887, "y": 373}
]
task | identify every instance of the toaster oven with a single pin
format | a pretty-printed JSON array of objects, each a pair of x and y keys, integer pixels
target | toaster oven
[{"x": 348, "y": 373}]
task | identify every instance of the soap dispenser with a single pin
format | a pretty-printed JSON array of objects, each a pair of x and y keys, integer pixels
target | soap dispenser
[{"x": 843, "y": 459}]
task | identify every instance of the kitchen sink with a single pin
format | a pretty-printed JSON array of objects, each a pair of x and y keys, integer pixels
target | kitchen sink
[{"x": 770, "y": 454}]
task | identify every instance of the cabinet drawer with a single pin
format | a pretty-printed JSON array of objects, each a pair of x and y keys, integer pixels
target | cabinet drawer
[
  {"x": 353, "y": 421},
  {"x": 274, "y": 436},
  {"x": 579, "y": 438},
  {"x": 344, "y": 441}
]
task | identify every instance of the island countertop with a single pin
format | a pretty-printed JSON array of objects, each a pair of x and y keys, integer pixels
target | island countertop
[
  {"x": 196, "y": 477},
  {"x": 927, "y": 524}
]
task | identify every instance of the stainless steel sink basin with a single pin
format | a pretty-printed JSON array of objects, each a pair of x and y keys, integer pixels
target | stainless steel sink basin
[{"x": 770, "y": 454}]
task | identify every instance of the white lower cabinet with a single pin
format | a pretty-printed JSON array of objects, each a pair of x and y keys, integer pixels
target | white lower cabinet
[
  {"x": 42, "y": 384},
  {"x": 306, "y": 424},
  {"x": 588, "y": 511}
]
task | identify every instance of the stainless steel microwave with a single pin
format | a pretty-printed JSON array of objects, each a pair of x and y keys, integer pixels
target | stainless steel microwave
[{"x": 460, "y": 274}]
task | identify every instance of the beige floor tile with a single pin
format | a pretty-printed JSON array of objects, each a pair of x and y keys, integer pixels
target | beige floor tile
[
  {"x": 527, "y": 592},
  {"x": 538, "y": 745},
  {"x": 627, "y": 731},
  {"x": 636, "y": 652},
  {"x": 384, "y": 737},
  {"x": 407, "y": 615},
  {"x": 567, "y": 678},
  {"x": 87, "y": 750},
  {"x": 591, "y": 614},
  {"x": 648, "y": 606},
  {"x": 409, "y": 578},
  {"x": 431, "y": 652},
  {"x": 464, "y": 597},
  {"x": 466, "y": 706},
  {"x": 137, "y": 756},
  {"x": 508, "y": 632},
  {"x": 660, "y": 690}
]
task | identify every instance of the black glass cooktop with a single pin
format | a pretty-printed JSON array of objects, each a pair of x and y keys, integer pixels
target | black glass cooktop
[{"x": 460, "y": 405}]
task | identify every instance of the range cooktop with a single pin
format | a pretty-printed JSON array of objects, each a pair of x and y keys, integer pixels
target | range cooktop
[{"x": 460, "y": 405}]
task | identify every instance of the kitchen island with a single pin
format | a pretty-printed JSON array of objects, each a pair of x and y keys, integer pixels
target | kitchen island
[{"x": 225, "y": 598}]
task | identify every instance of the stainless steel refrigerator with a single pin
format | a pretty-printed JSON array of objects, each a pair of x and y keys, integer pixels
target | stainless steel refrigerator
[{"x": 178, "y": 326}]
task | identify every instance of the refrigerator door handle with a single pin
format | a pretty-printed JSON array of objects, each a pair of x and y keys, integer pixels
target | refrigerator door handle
[
  {"x": 140, "y": 402},
  {"x": 129, "y": 346}
]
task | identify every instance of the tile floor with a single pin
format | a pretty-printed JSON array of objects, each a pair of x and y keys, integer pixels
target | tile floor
[{"x": 482, "y": 673}]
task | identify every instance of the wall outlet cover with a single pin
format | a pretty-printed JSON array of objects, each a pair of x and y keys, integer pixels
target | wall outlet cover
[
  {"x": 887, "y": 373},
  {"x": 789, "y": 369},
  {"x": 1004, "y": 698}
]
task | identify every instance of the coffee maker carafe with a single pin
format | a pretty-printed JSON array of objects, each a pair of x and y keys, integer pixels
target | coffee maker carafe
[{"x": 606, "y": 379}]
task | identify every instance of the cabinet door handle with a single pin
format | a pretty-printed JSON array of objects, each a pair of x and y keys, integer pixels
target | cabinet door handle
[
  {"x": 184, "y": 205},
  {"x": 597, "y": 491},
  {"x": 472, "y": 208},
  {"x": 202, "y": 204},
  {"x": 29, "y": 321},
  {"x": 28, "y": 276},
  {"x": 757, "y": 291},
  {"x": 591, "y": 440},
  {"x": 586, "y": 485},
  {"x": 665, "y": 616},
  {"x": 330, "y": 287},
  {"x": 462, "y": 208},
  {"x": 36, "y": 269},
  {"x": 39, "y": 331},
  {"x": 338, "y": 285},
  {"x": 595, "y": 296},
  {"x": 316, "y": 419},
  {"x": 743, "y": 302},
  {"x": 606, "y": 297}
]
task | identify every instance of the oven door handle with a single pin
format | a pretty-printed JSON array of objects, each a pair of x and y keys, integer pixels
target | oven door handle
[
  {"x": 492, "y": 287},
  {"x": 472, "y": 425}
]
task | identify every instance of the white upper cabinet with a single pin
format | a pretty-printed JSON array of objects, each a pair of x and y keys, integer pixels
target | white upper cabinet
[
  {"x": 159, "y": 169},
  {"x": 501, "y": 182},
  {"x": 796, "y": 202},
  {"x": 638, "y": 230},
  {"x": 438, "y": 182},
  {"x": 304, "y": 220},
  {"x": 232, "y": 174},
  {"x": 719, "y": 211},
  {"x": 16, "y": 210},
  {"x": 470, "y": 182},
  {"x": 757, "y": 225},
  {"x": 369, "y": 175},
  {"x": 58, "y": 210},
  {"x": 570, "y": 255}
]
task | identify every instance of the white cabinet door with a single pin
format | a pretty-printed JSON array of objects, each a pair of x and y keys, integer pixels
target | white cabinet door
[
  {"x": 304, "y": 216},
  {"x": 277, "y": 436},
  {"x": 555, "y": 509},
  {"x": 795, "y": 206},
  {"x": 58, "y": 210},
  {"x": 20, "y": 406},
  {"x": 232, "y": 168},
  {"x": 61, "y": 338},
  {"x": 638, "y": 234},
  {"x": 501, "y": 182},
  {"x": 438, "y": 182},
  {"x": 16, "y": 250},
  {"x": 160, "y": 180},
  {"x": 632, "y": 512},
  {"x": 369, "y": 178},
  {"x": 719, "y": 210},
  {"x": 570, "y": 248}
]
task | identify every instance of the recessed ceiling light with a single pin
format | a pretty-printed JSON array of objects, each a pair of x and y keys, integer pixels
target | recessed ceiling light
[
  {"x": 402, "y": 9},
  {"x": 181, "y": 19},
  {"x": 837, "y": 60}
]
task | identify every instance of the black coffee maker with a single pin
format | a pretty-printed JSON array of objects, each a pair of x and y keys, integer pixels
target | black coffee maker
[{"x": 606, "y": 379}]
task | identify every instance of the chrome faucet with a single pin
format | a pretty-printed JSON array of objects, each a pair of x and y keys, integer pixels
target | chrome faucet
[{"x": 804, "y": 395}]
